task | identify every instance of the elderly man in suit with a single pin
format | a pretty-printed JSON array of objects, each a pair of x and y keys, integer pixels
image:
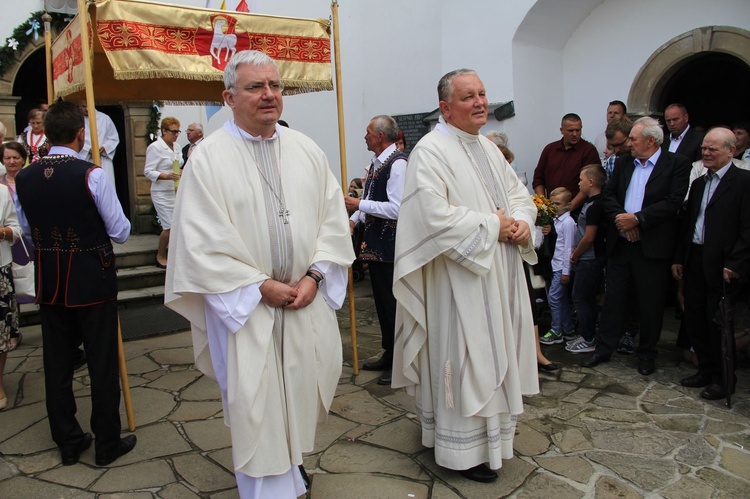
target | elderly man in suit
[
  {"x": 714, "y": 246},
  {"x": 641, "y": 199},
  {"x": 683, "y": 138}
]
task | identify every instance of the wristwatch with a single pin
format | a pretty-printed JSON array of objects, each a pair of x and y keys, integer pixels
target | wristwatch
[{"x": 314, "y": 277}]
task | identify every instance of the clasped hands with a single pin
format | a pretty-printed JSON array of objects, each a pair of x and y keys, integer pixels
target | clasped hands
[
  {"x": 277, "y": 294},
  {"x": 627, "y": 223},
  {"x": 511, "y": 230}
]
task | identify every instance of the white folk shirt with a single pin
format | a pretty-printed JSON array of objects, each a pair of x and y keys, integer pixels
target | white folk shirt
[{"x": 395, "y": 190}]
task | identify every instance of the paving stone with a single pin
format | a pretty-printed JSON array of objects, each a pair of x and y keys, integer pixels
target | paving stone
[
  {"x": 666, "y": 409},
  {"x": 328, "y": 486},
  {"x": 728, "y": 486},
  {"x": 357, "y": 432},
  {"x": 543, "y": 485},
  {"x": 175, "y": 381},
  {"x": 401, "y": 400},
  {"x": 33, "y": 439},
  {"x": 223, "y": 458},
  {"x": 7, "y": 469},
  {"x": 617, "y": 415},
  {"x": 568, "y": 411},
  {"x": 136, "y": 476},
  {"x": 81, "y": 478},
  {"x": 572, "y": 377},
  {"x": 33, "y": 388},
  {"x": 529, "y": 442},
  {"x": 722, "y": 414},
  {"x": 686, "y": 424},
  {"x": 616, "y": 401},
  {"x": 153, "y": 375},
  {"x": 607, "y": 486},
  {"x": 645, "y": 472},
  {"x": 141, "y": 365},
  {"x": 556, "y": 389},
  {"x": 362, "y": 408},
  {"x": 736, "y": 462},
  {"x": 595, "y": 380},
  {"x": 696, "y": 452},
  {"x": 581, "y": 396},
  {"x": 330, "y": 431},
  {"x": 173, "y": 356},
  {"x": 190, "y": 411},
  {"x": 36, "y": 463},
  {"x": 353, "y": 457},
  {"x": 638, "y": 442},
  {"x": 344, "y": 388},
  {"x": 202, "y": 473},
  {"x": 572, "y": 440},
  {"x": 723, "y": 428},
  {"x": 152, "y": 405},
  {"x": 210, "y": 434},
  {"x": 177, "y": 491},
  {"x": 127, "y": 495},
  {"x": 20, "y": 418},
  {"x": 227, "y": 494},
  {"x": 687, "y": 486},
  {"x": 402, "y": 435},
  {"x": 541, "y": 402},
  {"x": 572, "y": 467},
  {"x": 22, "y": 486},
  {"x": 660, "y": 394},
  {"x": 203, "y": 388},
  {"x": 513, "y": 473}
]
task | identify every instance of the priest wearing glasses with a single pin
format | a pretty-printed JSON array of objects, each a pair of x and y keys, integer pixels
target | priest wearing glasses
[{"x": 258, "y": 263}]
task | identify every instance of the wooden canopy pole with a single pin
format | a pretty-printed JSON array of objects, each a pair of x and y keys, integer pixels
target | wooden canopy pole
[
  {"x": 89, "y": 82},
  {"x": 344, "y": 176},
  {"x": 47, "y": 20}
]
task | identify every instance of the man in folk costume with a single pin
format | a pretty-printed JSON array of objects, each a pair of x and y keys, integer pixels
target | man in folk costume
[
  {"x": 73, "y": 211},
  {"x": 258, "y": 262},
  {"x": 108, "y": 141},
  {"x": 376, "y": 213},
  {"x": 464, "y": 331}
]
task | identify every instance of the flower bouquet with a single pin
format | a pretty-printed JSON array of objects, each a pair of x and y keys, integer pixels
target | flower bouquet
[{"x": 545, "y": 210}]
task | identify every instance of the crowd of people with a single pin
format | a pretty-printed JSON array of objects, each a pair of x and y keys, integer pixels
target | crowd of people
[{"x": 257, "y": 260}]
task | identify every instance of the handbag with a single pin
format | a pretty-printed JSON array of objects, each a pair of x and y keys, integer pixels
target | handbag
[{"x": 24, "y": 277}]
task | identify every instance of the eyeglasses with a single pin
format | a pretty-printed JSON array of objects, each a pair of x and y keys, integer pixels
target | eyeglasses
[
  {"x": 176, "y": 132},
  {"x": 617, "y": 144},
  {"x": 275, "y": 86}
]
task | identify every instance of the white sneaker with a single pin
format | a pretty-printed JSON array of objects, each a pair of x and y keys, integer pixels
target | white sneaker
[
  {"x": 575, "y": 340},
  {"x": 582, "y": 347}
]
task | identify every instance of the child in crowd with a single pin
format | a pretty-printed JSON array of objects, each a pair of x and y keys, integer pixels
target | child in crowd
[
  {"x": 558, "y": 296},
  {"x": 589, "y": 257}
]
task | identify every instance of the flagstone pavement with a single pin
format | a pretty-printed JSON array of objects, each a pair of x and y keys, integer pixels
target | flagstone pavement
[{"x": 604, "y": 432}]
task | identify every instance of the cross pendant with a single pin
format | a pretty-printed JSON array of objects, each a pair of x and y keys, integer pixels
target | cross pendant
[{"x": 284, "y": 214}]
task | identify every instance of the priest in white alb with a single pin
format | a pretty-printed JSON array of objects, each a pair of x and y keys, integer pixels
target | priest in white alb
[
  {"x": 465, "y": 342},
  {"x": 108, "y": 141},
  {"x": 258, "y": 261}
]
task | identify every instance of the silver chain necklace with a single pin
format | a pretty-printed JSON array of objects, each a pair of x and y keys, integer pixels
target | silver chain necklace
[{"x": 282, "y": 212}]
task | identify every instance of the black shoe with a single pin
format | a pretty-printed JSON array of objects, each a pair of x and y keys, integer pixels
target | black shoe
[
  {"x": 646, "y": 367},
  {"x": 305, "y": 478},
  {"x": 595, "y": 360},
  {"x": 124, "y": 446},
  {"x": 480, "y": 473},
  {"x": 382, "y": 364},
  {"x": 697, "y": 380},
  {"x": 552, "y": 366},
  {"x": 714, "y": 391},
  {"x": 71, "y": 456},
  {"x": 385, "y": 378}
]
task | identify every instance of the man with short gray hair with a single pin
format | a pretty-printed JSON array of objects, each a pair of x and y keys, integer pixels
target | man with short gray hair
[
  {"x": 258, "y": 262},
  {"x": 641, "y": 200},
  {"x": 194, "y": 135},
  {"x": 376, "y": 215}
]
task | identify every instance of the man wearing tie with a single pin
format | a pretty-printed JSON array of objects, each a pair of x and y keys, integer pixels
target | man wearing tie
[
  {"x": 712, "y": 254},
  {"x": 195, "y": 135}
]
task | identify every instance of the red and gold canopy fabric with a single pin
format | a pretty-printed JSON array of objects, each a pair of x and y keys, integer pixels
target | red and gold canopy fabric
[{"x": 178, "y": 54}]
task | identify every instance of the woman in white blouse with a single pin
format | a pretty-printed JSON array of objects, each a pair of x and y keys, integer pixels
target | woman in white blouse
[
  {"x": 10, "y": 231},
  {"x": 163, "y": 161}
]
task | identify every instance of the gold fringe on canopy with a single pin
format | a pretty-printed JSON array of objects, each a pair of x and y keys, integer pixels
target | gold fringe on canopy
[{"x": 178, "y": 54}]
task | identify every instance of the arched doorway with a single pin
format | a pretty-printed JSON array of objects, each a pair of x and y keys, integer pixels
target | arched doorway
[
  {"x": 30, "y": 85},
  {"x": 706, "y": 69},
  {"x": 713, "y": 87}
]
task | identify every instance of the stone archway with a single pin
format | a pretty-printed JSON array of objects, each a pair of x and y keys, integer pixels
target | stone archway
[{"x": 648, "y": 85}]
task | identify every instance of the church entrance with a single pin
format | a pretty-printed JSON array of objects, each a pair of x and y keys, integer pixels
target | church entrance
[
  {"x": 713, "y": 87},
  {"x": 31, "y": 86}
]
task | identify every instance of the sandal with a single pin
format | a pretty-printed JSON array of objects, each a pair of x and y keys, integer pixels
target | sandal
[{"x": 14, "y": 345}]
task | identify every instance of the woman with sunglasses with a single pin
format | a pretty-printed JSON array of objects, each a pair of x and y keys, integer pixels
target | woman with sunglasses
[{"x": 163, "y": 162}]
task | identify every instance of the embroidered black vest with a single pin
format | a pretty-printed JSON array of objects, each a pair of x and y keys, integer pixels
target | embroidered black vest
[
  {"x": 379, "y": 239},
  {"x": 75, "y": 261}
]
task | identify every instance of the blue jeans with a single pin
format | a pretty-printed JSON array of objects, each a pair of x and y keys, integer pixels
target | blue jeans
[
  {"x": 585, "y": 286},
  {"x": 559, "y": 304}
]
